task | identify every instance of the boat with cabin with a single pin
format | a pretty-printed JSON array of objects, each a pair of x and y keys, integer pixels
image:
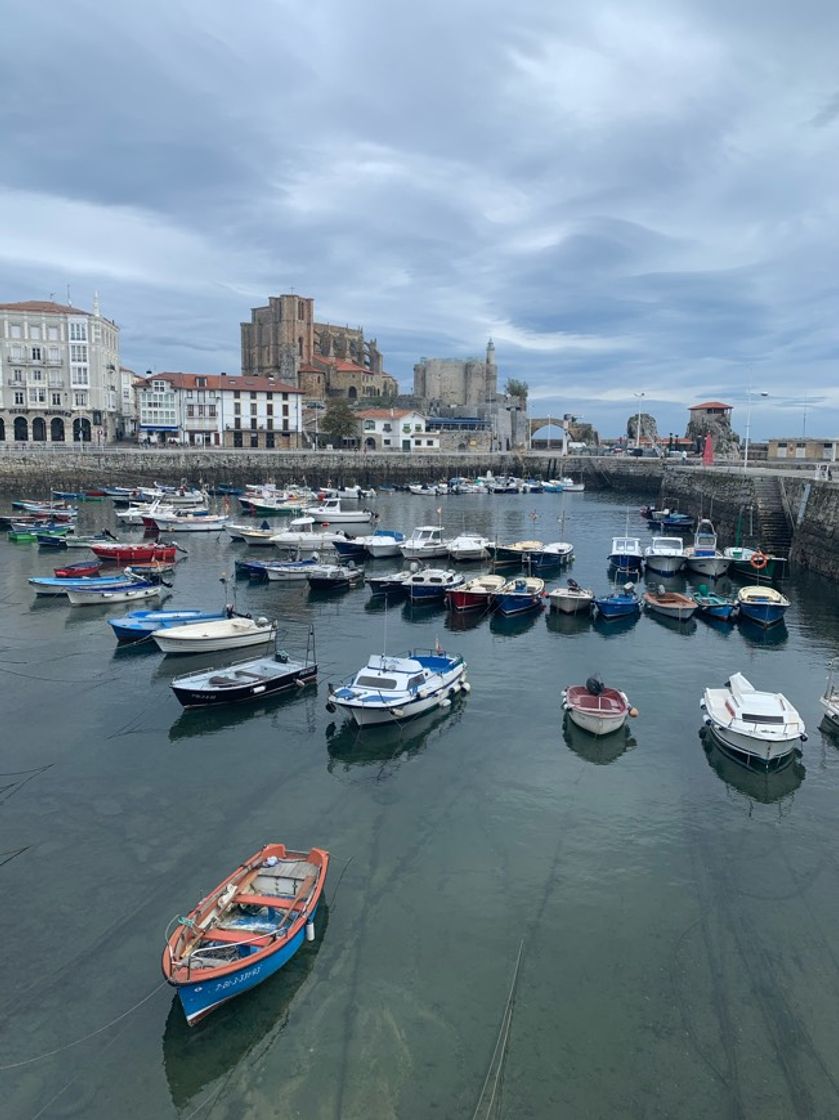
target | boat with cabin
[
  {"x": 703, "y": 556},
  {"x": 392, "y": 689},
  {"x": 305, "y": 533},
  {"x": 664, "y": 555},
  {"x": 331, "y": 512},
  {"x": 428, "y": 585},
  {"x": 468, "y": 547},
  {"x": 760, "y": 729},
  {"x": 425, "y": 543},
  {"x": 626, "y": 556}
]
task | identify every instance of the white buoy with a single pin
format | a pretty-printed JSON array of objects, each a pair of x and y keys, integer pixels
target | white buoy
[{"x": 310, "y": 931}]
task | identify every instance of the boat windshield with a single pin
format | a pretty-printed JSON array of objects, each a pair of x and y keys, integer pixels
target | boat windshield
[
  {"x": 753, "y": 717},
  {"x": 364, "y": 681}
]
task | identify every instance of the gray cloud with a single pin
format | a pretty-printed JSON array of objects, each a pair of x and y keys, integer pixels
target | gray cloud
[{"x": 626, "y": 199}]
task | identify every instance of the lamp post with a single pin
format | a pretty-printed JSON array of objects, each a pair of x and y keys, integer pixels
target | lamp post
[
  {"x": 749, "y": 425},
  {"x": 639, "y": 397}
]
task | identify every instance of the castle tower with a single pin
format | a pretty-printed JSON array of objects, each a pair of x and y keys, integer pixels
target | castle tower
[{"x": 491, "y": 372}]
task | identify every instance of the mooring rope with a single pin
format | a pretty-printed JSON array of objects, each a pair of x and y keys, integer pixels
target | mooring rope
[{"x": 498, "y": 1052}]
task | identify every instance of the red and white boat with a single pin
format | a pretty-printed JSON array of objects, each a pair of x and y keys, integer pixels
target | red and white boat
[
  {"x": 477, "y": 594},
  {"x": 134, "y": 553},
  {"x": 595, "y": 708},
  {"x": 83, "y": 570}
]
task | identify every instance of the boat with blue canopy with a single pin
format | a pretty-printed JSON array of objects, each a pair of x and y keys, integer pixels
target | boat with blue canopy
[{"x": 389, "y": 689}]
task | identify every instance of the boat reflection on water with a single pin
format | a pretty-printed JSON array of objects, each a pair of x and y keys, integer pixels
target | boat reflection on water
[
  {"x": 458, "y": 621},
  {"x": 247, "y": 1027},
  {"x": 764, "y": 786},
  {"x": 764, "y": 636},
  {"x": 597, "y": 749},
  {"x": 385, "y": 747},
  {"x": 420, "y": 611},
  {"x": 569, "y": 624},
  {"x": 685, "y": 626},
  {"x": 196, "y": 723},
  {"x": 509, "y": 626},
  {"x": 614, "y": 627}
]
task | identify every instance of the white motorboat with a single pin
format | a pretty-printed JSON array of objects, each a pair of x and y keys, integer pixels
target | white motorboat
[
  {"x": 348, "y": 493},
  {"x": 189, "y": 522},
  {"x": 830, "y": 699},
  {"x": 183, "y": 496},
  {"x": 334, "y": 577},
  {"x": 301, "y": 533},
  {"x": 136, "y": 512},
  {"x": 256, "y": 537},
  {"x": 391, "y": 689},
  {"x": 571, "y": 599},
  {"x": 760, "y": 729},
  {"x": 425, "y": 543},
  {"x": 291, "y": 571},
  {"x": 469, "y": 547},
  {"x": 380, "y": 545},
  {"x": 569, "y": 486},
  {"x": 127, "y": 593},
  {"x": 331, "y": 512},
  {"x": 703, "y": 556},
  {"x": 210, "y": 637},
  {"x": 595, "y": 708},
  {"x": 665, "y": 555}
]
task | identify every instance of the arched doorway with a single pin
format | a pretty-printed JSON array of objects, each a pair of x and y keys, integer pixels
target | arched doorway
[
  {"x": 39, "y": 429},
  {"x": 21, "y": 429},
  {"x": 57, "y": 430},
  {"x": 81, "y": 430},
  {"x": 352, "y": 392},
  {"x": 370, "y": 443},
  {"x": 2, "y": 430}
]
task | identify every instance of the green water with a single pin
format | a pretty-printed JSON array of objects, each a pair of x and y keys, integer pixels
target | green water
[{"x": 678, "y": 914}]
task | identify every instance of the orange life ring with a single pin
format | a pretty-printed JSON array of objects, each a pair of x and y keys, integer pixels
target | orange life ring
[{"x": 759, "y": 560}]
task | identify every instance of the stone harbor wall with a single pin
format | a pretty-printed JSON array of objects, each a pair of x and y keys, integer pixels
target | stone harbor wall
[{"x": 814, "y": 507}]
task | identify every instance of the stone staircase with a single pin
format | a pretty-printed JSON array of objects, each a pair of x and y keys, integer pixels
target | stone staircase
[{"x": 775, "y": 524}]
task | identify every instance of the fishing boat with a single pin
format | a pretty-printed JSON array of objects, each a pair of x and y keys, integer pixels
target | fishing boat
[
  {"x": 760, "y": 729},
  {"x": 712, "y": 605},
  {"x": 121, "y": 553},
  {"x": 468, "y": 547},
  {"x": 569, "y": 486},
  {"x": 626, "y": 556},
  {"x": 124, "y": 593},
  {"x": 425, "y": 543},
  {"x": 596, "y": 708},
  {"x": 703, "y": 556},
  {"x": 139, "y": 625},
  {"x": 514, "y": 553},
  {"x": 18, "y": 533},
  {"x": 392, "y": 689},
  {"x": 301, "y": 533},
  {"x": 393, "y": 585},
  {"x": 619, "y": 604},
  {"x": 762, "y": 604},
  {"x": 256, "y": 679},
  {"x": 520, "y": 595},
  {"x": 84, "y": 568},
  {"x": 751, "y": 561},
  {"x": 185, "y": 521},
  {"x": 552, "y": 555},
  {"x": 290, "y": 571},
  {"x": 215, "y": 636},
  {"x": 383, "y": 543},
  {"x": 173, "y": 495},
  {"x": 571, "y": 598},
  {"x": 476, "y": 594},
  {"x": 237, "y": 531},
  {"x": 331, "y": 512},
  {"x": 673, "y": 522},
  {"x": 245, "y": 929},
  {"x": 348, "y": 493},
  {"x": 829, "y": 700},
  {"x": 430, "y": 584},
  {"x": 256, "y": 537},
  {"x": 664, "y": 555},
  {"x": 60, "y": 585},
  {"x": 670, "y": 604},
  {"x": 334, "y": 577}
]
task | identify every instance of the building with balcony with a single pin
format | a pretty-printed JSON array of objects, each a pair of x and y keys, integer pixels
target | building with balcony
[
  {"x": 217, "y": 410},
  {"x": 394, "y": 429},
  {"x": 59, "y": 374}
]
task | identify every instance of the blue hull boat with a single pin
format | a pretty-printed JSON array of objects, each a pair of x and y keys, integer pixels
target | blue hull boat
[
  {"x": 349, "y": 549},
  {"x": 761, "y": 604},
  {"x": 619, "y": 605},
  {"x": 519, "y": 596},
  {"x": 56, "y": 585},
  {"x": 252, "y": 569},
  {"x": 138, "y": 625},
  {"x": 716, "y": 606}
]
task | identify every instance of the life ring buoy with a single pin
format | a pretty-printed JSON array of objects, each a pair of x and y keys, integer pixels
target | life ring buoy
[{"x": 759, "y": 560}]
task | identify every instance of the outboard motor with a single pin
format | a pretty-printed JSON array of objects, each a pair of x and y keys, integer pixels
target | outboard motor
[{"x": 594, "y": 686}]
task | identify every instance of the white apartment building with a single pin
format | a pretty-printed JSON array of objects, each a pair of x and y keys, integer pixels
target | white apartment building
[
  {"x": 59, "y": 374},
  {"x": 395, "y": 429},
  {"x": 217, "y": 410}
]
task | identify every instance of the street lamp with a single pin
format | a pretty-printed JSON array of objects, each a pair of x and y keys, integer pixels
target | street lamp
[
  {"x": 639, "y": 397},
  {"x": 749, "y": 425}
]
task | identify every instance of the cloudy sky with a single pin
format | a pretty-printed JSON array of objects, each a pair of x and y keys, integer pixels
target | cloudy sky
[{"x": 629, "y": 197}]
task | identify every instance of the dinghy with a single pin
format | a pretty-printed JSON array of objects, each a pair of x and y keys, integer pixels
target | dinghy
[
  {"x": 121, "y": 553},
  {"x": 139, "y": 625},
  {"x": 334, "y": 577},
  {"x": 571, "y": 599},
  {"x": 256, "y": 679},
  {"x": 245, "y": 929},
  {"x": 595, "y": 708},
  {"x": 761, "y": 604},
  {"x": 211, "y": 637},
  {"x": 125, "y": 593},
  {"x": 524, "y": 593},
  {"x": 670, "y": 604},
  {"x": 477, "y": 594}
]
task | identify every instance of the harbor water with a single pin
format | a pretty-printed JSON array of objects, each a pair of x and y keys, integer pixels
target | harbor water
[{"x": 675, "y": 914}]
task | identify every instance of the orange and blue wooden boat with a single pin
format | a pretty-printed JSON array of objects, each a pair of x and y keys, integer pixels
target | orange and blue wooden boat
[{"x": 246, "y": 929}]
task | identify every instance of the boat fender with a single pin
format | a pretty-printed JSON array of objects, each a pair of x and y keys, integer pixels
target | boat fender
[
  {"x": 466, "y": 686},
  {"x": 803, "y": 737},
  {"x": 330, "y": 707},
  {"x": 310, "y": 930},
  {"x": 633, "y": 712},
  {"x": 759, "y": 561}
]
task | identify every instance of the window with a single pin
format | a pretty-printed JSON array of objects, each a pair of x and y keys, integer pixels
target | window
[
  {"x": 201, "y": 409},
  {"x": 236, "y": 394},
  {"x": 237, "y": 408},
  {"x": 55, "y": 400},
  {"x": 429, "y": 443},
  {"x": 78, "y": 353},
  {"x": 385, "y": 443},
  {"x": 237, "y": 424},
  {"x": 269, "y": 396},
  {"x": 78, "y": 332},
  {"x": 36, "y": 353},
  {"x": 16, "y": 331},
  {"x": 369, "y": 425},
  {"x": 37, "y": 375},
  {"x": 387, "y": 427},
  {"x": 17, "y": 375},
  {"x": 300, "y": 309},
  {"x": 269, "y": 409},
  {"x": 269, "y": 439},
  {"x": 189, "y": 394},
  {"x": 80, "y": 400},
  {"x": 20, "y": 397},
  {"x": 285, "y": 396},
  {"x": 200, "y": 382},
  {"x": 37, "y": 396},
  {"x": 190, "y": 411},
  {"x": 269, "y": 423},
  {"x": 254, "y": 439},
  {"x": 300, "y": 347},
  {"x": 16, "y": 353},
  {"x": 253, "y": 408},
  {"x": 253, "y": 396},
  {"x": 35, "y": 334},
  {"x": 53, "y": 354},
  {"x": 253, "y": 423},
  {"x": 285, "y": 410},
  {"x": 52, "y": 334},
  {"x": 56, "y": 381},
  {"x": 78, "y": 375},
  {"x": 211, "y": 411}
]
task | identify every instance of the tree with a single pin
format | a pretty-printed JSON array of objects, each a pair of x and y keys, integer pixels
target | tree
[
  {"x": 339, "y": 422},
  {"x": 516, "y": 388}
]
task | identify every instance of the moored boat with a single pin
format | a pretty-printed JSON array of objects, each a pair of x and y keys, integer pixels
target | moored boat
[
  {"x": 84, "y": 568},
  {"x": 703, "y": 556},
  {"x": 430, "y": 584},
  {"x": 571, "y": 598},
  {"x": 711, "y": 605},
  {"x": 829, "y": 699},
  {"x": 256, "y": 679},
  {"x": 331, "y": 512},
  {"x": 596, "y": 708},
  {"x": 519, "y": 595},
  {"x": 123, "y": 593},
  {"x": 619, "y": 604},
  {"x": 762, "y": 604},
  {"x": 139, "y": 625},
  {"x": 549, "y": 556},
  {"x": 751, "y": 562},
  {"x": 393, "y": 585},
  {"x": 389, "y": 689},
  {"x": 426, "y": 542},
  {"x": 670, "y": 604},
  {"x": 664, "y": 555},
  {"x": 213, "y": 636},
  {"x": 245, "y": 929},
  {"x": 625, "y": 555},
  {"x": 757, "y": 728},
  {"x": 123, "y": 553},
  {"x": 334, "y": 577},
  {"x": 468, "y": 547},
  {"x": 515, "y": 552},
  {"x": 476, "y": 594}
]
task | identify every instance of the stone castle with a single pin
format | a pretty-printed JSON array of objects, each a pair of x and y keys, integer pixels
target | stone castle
[{"x": 453, "y": 382}]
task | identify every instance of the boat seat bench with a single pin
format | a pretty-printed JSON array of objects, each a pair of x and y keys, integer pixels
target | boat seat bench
[{"x": 278, "y": 902}]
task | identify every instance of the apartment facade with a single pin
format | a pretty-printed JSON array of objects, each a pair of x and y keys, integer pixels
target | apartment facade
[
  {"x": 394, "y": 429},
  {"x": 217, "y": 410},
  {"x": 59, "y": 374}
]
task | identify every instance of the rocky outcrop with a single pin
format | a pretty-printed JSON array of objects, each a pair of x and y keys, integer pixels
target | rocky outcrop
[
  {"x": 726, "y": 443},
  {"x": 649, "y": 430}
]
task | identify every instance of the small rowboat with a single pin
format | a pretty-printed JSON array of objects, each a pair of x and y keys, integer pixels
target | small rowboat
[
  {"x": 211, "y": 637},
  {"x": 139, "y": 625},
  {"x": 763, "y": 605},
  {"x": 78, "y": 571},
  {"x": 244, "y": 680},
  {"x": 711, "y": 605},
  {"x": 121, "y": 553},
  {"x": 571, "y": 599},
  {"x": 595, "y": 708},
  {"x": 524, "y": 593},
  {"x": 478, "y": 594},
  {"x": 245, "y": 929},
  {"x": 126, "y": 593},
  {"x": 670, "y": 604}
]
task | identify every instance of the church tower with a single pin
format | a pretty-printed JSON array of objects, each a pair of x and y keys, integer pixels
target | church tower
[{"x": 491, "y": 372}]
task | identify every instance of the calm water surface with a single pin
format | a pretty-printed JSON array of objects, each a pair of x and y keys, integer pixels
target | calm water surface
[{"x": 679, "y": 914}]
